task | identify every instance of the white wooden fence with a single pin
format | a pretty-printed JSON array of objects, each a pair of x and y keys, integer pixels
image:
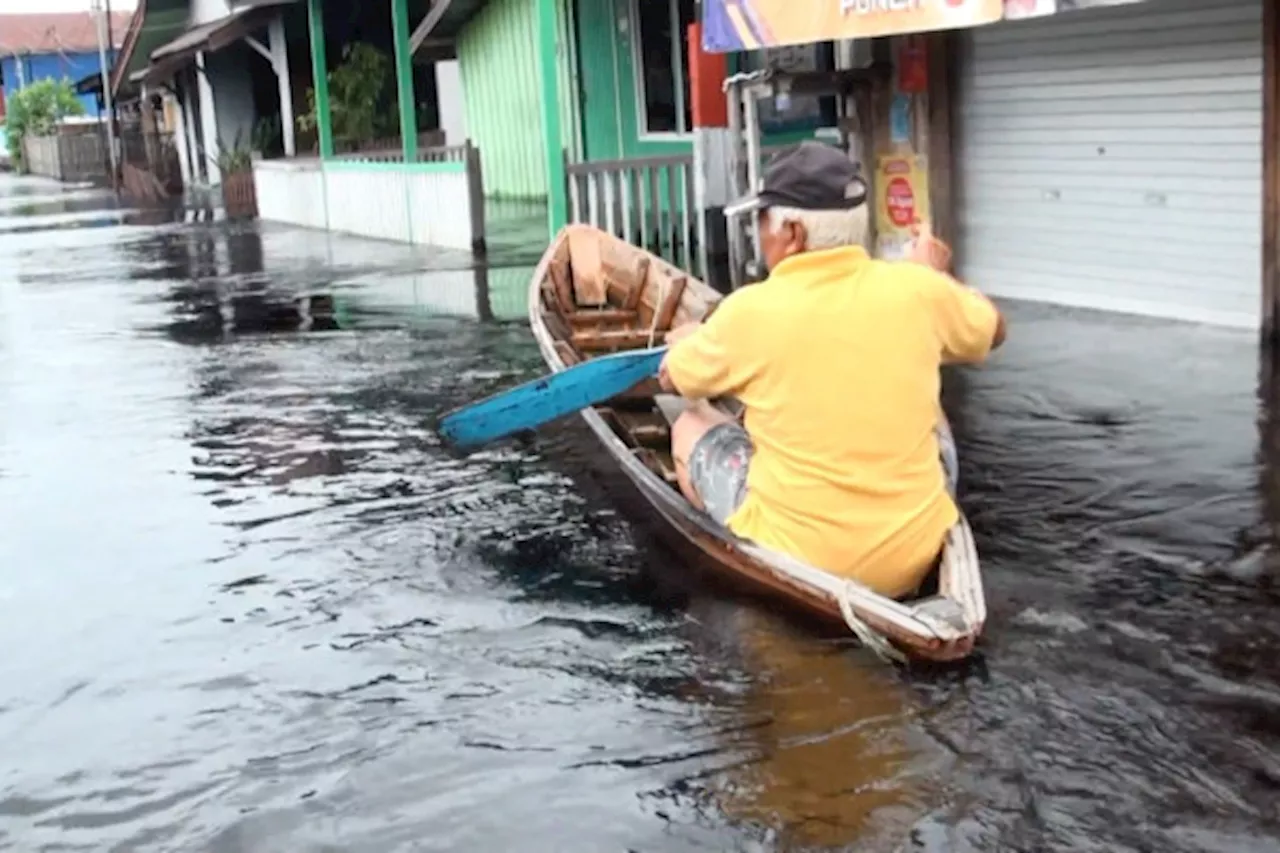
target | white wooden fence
[{"x": 436, "y": 201}]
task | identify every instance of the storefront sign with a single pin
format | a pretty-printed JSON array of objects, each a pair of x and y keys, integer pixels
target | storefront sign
[
  {"x": 734, "y": 25},
  {"x": 902, "y": 201},
  {"x": 1017, "y": 9}
]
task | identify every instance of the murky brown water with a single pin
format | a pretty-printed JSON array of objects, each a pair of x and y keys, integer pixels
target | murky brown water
[{"x": 248, "y": 604}]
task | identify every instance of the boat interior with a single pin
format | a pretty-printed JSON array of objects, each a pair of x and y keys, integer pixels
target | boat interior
[
  {"x": 596, "y": 295},
  {"x": 601, "y": 296}
]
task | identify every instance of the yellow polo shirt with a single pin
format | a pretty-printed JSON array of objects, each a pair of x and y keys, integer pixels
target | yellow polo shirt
[{"x": 836, "y": 359}]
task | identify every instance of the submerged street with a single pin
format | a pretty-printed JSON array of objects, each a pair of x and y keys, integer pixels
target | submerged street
[{"x": 248, "y": 603}]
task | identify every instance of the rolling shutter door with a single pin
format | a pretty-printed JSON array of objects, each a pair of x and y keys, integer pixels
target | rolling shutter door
[{"x": 1112, "y": 158}]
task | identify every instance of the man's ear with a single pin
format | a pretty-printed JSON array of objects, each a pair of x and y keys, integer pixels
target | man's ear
[{"x": 799, "y": 236}]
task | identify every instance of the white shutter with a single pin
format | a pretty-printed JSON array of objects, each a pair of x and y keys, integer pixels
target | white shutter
[{"x": 1112, "y": 158}]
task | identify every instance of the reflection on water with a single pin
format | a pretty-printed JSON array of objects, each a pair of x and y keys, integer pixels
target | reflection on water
[
  {"x": 830, "y": 755},
  {"x": 253, "y": 605}
]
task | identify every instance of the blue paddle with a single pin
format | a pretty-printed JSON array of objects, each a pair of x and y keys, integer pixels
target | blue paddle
[{"x": 535, "y": 403}]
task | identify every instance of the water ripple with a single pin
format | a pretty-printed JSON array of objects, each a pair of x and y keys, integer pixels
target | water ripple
[{"x": 253, "y": 604}]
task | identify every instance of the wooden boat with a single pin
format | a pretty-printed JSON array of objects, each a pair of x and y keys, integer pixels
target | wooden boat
[{"x": 594, "y": 294}]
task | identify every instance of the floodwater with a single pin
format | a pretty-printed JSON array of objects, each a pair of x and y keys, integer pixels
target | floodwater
[{"x": 247, "y": 602}]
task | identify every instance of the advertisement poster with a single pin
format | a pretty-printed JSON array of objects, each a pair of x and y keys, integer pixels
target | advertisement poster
[
  {"x": 912, "y": 65},
  {"x": 900, "y": 120},
  {"x": 734, "y": 25},
  {"x": 902, "y": 200}
]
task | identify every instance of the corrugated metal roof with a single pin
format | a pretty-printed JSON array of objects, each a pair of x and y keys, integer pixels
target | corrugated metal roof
[
  {"x": 156, "y": 22},
  {"x": 65, "y": 32},
  {"x": 170, "y": 57},
  {"x": 448, "y": 17},
  {"x": 206, "y": 34}
]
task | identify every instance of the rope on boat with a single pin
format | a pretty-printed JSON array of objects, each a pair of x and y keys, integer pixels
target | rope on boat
[
  {"x": 867, "y": 635},
  {"x": 657, "y": 307}
]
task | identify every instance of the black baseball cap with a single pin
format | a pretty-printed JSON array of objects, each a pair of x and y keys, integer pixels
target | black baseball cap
[{"x": 810, "y": 176}]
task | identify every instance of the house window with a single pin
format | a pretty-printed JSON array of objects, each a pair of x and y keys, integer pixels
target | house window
[{"x": 662, "y": 59}]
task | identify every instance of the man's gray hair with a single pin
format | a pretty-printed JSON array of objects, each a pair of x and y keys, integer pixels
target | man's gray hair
[{"x": 826, "y": 229}]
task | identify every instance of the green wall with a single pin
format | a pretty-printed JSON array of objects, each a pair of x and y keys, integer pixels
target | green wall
[
  {"x": 611, "y": 121},
  {"x": 498, "y": 59},
  {"x": 611, "y": 113},
  {"x": 497, "y": 53},
  {"x": 567, "y": 79}
]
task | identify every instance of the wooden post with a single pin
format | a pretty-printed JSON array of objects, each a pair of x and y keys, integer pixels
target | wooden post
[
  {"x": 918, "y": 100},
  {"x": 279, "y": 49},
  {"x": 475, "y": 192},
  {"x": 104, "y": 32},
  {"x": 320, "y": 77},
  {"x": 557, "y": 188},
  {"x": 1270, "y": 172},
  {"x": 940, "y": 48},
  {"x": 404, "y": 80},
  {"x": 195, "y": 145},
  {"x": 208, "y": 122},
  {"x": 711, "y": 161},
  {"x": 180, "y": 132}
]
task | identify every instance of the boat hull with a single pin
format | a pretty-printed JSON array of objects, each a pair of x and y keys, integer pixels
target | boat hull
[{"x": 941, "y": 627}]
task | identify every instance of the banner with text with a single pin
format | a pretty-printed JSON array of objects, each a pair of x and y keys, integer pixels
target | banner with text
[{"x": 734, "y": 25}]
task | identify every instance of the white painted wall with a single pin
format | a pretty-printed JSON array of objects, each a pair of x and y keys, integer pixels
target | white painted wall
[
  {"x": 430, "y": 208},
  {"x": 204, "y": 11},
  {"x": 453, "y": 115},
  {"x": 425, "y": 208},
  {"x": 228, "y": 71},
  {"x": 290, "y": 192}
]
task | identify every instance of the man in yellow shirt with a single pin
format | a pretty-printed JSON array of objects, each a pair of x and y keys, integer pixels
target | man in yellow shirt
[{"x": 836, "y": 359}]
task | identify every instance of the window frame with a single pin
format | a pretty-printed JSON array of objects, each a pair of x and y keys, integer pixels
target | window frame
[{"x": 679, "y": 73}]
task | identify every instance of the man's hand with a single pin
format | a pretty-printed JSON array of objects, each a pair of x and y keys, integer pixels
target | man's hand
[
  {"x": 677, "y": 334},
  {"x": 681, "y": 332},
  {"x": 929, "y": 250},
  {"x": 664, "y": 379}
]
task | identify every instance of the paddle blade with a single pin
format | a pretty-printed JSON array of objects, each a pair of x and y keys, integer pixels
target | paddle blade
[{"x": 535, "y": 403}]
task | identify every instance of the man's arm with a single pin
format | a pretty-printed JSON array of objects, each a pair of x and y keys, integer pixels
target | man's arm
[
  {"x": 709, "y": 359},
  {"x": 969, "y": 324},
  {"x": 674, "y": 336}
]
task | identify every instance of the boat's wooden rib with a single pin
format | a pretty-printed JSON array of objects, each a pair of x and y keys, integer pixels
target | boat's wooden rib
[
  {"x": 603, "y": 317},
  {"x": 670, "y": 302},
  {"x": 593, "y": 294},
  {"x": 614, "y": 340}
]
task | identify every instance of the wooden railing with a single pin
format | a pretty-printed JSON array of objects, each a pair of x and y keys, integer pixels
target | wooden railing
[
  {"x": 647, "y": 201},
  {"x": 385, "y": 145}
]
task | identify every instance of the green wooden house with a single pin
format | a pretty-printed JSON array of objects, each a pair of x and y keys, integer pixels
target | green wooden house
[{"x": 584, "y": 104}]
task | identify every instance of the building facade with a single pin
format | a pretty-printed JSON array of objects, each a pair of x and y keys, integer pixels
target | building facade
[
  {"x": 1113, "y": 158},
  {"x": 622, "y": 85},
  {"x": 1111, "y": 154},
  {"x": 62, "y": 46}
]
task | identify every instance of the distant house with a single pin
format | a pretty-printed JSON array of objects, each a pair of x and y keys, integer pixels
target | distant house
[{"x": 54, "y": 46}]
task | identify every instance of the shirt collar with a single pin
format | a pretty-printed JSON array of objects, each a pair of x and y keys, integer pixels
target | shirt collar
[{"x": 844, "y": 258}]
